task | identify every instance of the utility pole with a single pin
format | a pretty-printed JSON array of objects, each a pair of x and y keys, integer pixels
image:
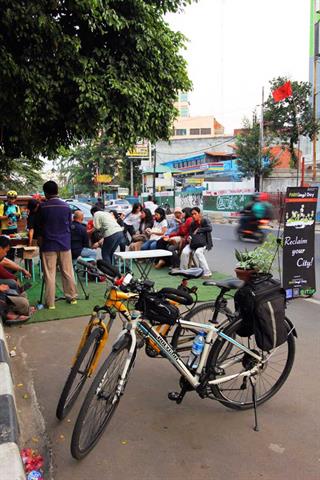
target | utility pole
[
  {"x": 316, "y": 54},
  {"x": 154, "y": 173},
  {"x": 131, "y": 177},
  {"x": 261, "y": 142}
]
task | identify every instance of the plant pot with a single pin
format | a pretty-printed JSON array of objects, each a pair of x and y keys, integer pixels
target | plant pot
[{"x": 244, "y": 274}]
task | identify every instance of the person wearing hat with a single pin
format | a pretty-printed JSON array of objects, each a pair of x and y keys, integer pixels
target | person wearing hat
[
  {"x": 10, "y": 214},
  {"x": 175, "y": 222}
]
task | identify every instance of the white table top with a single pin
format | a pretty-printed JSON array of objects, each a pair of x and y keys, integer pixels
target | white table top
[{"x": 137, "y": 255}]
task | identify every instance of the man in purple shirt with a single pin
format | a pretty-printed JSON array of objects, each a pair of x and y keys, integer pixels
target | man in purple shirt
[{"x": 55, "y": 221}]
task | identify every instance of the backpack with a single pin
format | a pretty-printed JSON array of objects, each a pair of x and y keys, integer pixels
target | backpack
[
  {"x": 261, "y": 304},
  {"x": 157, "y": 309}
]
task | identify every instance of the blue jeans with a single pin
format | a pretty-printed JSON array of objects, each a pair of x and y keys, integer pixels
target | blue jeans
[
  {"x": 89, "y": 252},
  {"x": 149, "y": 245},
  {"x": 110, "y": 244}
]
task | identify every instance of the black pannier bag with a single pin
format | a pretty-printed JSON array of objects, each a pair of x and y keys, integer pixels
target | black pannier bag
[
  {"x": 157, "y": 309},
  {"x": 261, "y": 304}
]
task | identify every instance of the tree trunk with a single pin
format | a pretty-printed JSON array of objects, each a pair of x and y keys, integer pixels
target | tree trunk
[{"x": 257, "y": 182}]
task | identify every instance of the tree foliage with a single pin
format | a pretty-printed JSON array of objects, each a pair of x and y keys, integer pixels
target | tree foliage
[
  {"x": 22, "y": 177},
  {"x": 252, "y": 162},
  {"x": 79, "y": 165},
  {"x": 69, "y": 69},
  {"x": 291, "y": 117}
]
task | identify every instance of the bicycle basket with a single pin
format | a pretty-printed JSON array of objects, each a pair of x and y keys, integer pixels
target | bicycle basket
[{"x": 157, "y": 309}]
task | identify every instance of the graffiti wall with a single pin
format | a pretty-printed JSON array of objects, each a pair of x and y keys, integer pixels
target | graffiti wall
[{"x": 225, "y": 203}]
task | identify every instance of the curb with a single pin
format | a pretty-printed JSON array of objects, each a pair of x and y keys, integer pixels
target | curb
[{"x": 11, "y": 467}]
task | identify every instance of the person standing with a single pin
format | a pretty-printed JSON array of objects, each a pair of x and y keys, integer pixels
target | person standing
[
  {"x": 199, "y": 240},
  {"x": 150, "y": 205},
  {"x": 111, "y": 231},
  {"x": 55, "y": 244},
  {"x": 10, "y": 214},
  {"x": 33, "y": 226}
]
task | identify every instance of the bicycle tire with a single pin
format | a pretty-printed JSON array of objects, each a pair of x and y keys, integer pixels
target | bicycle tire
[
  {"x": 183, "y": 337},
  {"x": 65, "y": 401},
  {"x": 97, "y": 394},
  {"x": 243, "y": 399}
]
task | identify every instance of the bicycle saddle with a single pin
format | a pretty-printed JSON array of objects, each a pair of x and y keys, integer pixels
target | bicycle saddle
[
  {"x": 189, "y": 273},
  {"x": 108, "y": 269},
  {"x": 228, "y": 284}
]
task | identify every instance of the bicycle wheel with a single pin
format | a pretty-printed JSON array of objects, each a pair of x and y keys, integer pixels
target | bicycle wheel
[
  {"x": 78, "y": 374},
  {"x": 237, "y": 393},
  {"x": 183, "y": 337},
  {"x": 100, "y": 403}
]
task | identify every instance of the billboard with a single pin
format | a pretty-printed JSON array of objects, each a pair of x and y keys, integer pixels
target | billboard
[
  {"x": 140, "y": 150},
  {"x": 299, "y": 241}
]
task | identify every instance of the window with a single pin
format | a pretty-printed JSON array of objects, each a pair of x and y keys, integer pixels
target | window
[
  {"x": 183, "y": 97},
  {"x": 194, "y": 131},
  {"x": 181, "y": 131},
  {"x": 184, "y": 112},
  {"x": 205, "y": 131}
]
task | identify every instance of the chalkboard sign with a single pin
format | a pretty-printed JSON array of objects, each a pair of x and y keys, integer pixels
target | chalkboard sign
[{"x": 298, "y": 241}]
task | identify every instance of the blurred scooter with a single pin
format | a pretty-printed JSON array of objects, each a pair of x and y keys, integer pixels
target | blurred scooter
[{"x": 255, "y": 230}]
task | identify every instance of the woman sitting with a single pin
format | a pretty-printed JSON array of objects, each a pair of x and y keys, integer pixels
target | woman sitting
[
  {"x": 198, "y": 241},
  {"x": 146, "y": 223},
  {"x": 157, "y": 231}
]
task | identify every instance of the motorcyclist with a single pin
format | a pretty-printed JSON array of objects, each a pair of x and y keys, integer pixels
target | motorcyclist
[{"x": 257, "y": 209}]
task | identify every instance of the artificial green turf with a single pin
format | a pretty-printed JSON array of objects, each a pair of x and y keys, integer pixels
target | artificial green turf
[{"x": 96, "y": 295}]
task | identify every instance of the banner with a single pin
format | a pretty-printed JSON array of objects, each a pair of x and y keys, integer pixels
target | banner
[
  {"x": 102, "y": 178},
  {"x": 298, "y": 241},
  {"x": 140, "y": 150}
]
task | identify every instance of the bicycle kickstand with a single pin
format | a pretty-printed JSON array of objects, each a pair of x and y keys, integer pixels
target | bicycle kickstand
[
  {"x": 254, "y": 399},
  {"x": 178, "y": 397}
]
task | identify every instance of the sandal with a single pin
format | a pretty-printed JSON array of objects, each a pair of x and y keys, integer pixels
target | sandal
[{"x": 13, "y": 319}]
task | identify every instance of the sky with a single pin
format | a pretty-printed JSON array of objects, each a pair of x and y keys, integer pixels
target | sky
[{"x": 235, "y": 47}]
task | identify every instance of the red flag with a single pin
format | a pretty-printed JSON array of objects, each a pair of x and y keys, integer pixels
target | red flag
[{"x": 282, "y": 92}]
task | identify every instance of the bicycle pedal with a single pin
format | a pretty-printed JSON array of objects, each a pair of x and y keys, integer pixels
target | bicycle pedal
[{"x": 173, "y": 396}]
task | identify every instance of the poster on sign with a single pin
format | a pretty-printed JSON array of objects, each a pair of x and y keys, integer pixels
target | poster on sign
[{"x": 298, "y": 241}]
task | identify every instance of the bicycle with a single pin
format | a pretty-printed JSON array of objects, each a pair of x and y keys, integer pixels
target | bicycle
[
  {"x": 234, "y": 373},
  {"x": 96, "y": 332}
]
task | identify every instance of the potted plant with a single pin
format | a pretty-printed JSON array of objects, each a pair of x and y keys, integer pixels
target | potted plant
[{"x": 259, "y": 260}]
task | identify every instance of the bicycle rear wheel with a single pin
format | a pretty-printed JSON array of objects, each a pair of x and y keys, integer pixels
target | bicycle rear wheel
[
  {"x": 100, "y": 403},
  {"x": 237, "y": 392},
  {"x": 78, "y": 374},
  {"x": 183, "y": 337}
]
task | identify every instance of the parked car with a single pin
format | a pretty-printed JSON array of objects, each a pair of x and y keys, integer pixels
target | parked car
[
  {"x": 121, "y": 206},
  {"x": 84, "y": 207}
]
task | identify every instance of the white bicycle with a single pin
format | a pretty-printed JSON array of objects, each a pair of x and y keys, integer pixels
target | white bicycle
[{"x": 231, "y": 369}]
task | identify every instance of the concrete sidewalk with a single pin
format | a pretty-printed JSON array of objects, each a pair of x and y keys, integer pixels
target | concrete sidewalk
[{"x": 151, "y": 438}]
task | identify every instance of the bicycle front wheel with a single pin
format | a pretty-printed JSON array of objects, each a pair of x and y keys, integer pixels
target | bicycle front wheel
[
  {"x": 228, "y": 359},
  {"x": 78, "y": 374},
  {"x": 183, "y": 337},
  {"x": 100, "y": 403}
]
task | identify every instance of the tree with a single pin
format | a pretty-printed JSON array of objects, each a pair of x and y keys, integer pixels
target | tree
[
  {"x": 22, "y": 177},
  {"x": 292, "y": 117},
  {"x": 79, "y": 165},
  {"x": 252, "y": 162},
  {"x": 69, "y": 69}
]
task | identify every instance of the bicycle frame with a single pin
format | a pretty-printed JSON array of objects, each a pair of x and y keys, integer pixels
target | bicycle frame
[{"x": 194, "y": 379}]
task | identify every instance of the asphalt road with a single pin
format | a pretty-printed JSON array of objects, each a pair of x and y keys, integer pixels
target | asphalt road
[{"x": 151, "y": 438}]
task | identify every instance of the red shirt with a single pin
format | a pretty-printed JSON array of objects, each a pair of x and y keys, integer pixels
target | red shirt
[
  {"x": 5, "y": 274},
  {"x": 90, "y": 225},
  {"x": 183, "y": 230}
]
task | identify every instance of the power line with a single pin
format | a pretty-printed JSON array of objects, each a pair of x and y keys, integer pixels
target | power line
[{"x": 198, "y": 151}]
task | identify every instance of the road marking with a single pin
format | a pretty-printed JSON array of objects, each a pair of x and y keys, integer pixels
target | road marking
[
  {"x": 216, "y": 238},
  {"x": 312, "y": 300}
]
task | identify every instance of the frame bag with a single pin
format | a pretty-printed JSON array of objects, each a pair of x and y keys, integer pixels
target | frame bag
[{"x": 261, "y": 304}]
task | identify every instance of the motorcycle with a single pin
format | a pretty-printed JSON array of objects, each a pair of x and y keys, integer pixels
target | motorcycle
[{"x": 256, "y": 230}]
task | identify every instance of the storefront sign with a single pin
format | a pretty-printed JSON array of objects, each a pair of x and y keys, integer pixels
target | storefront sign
[
  {"x": 298, "y": 241},
  {"x": 103, "y": 178},
  {"x": 140, "y": 150}
]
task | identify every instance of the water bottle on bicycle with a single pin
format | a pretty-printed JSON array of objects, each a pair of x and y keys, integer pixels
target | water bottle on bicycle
[{"x": 196, "y": 350}]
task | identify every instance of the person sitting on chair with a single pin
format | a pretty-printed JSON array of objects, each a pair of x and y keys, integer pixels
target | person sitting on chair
[
  {"x": 199, "y": 240},
  {"x": 80, "y": 238}
]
